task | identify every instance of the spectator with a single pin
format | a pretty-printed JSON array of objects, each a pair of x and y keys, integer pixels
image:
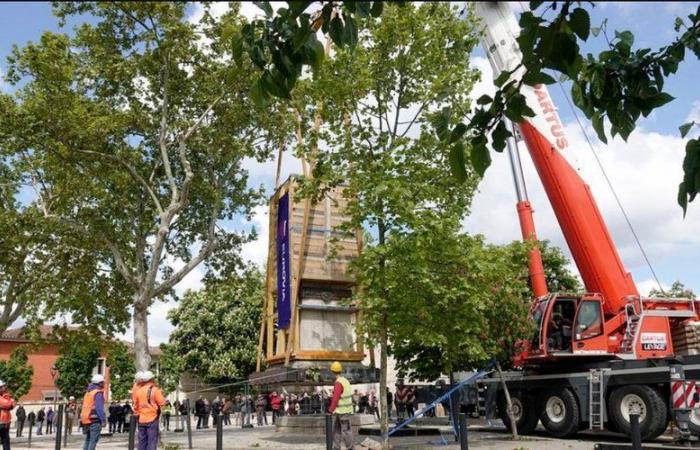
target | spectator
[
  {"x": 199, "y": 411},
  {"x": 374, "y": 403},
  {"x": 215, "y": 410},
  {"x": 226, "y": 410},
  {"x": 183, "y": 412},
  {"x": 6, "y": 405},
  {"x": 31, "y": 419},
  {"x": 40, "y": 416},
  {"x": 363, "y": 403},
  {"x": 260, "y": 409},
  {"x": 113, "y": 414},
  {"x": 50, "y": 415},
  {"x": 411, "y": 401},
  {"x": 316, "y": 402},
  {"x": 126, "y": 416},
  {"x": 305, "y": 403},
  {"x": 71, "y": 414},
  {"x": 275, "y": 403},
  {"x": 21, "y": 416},
  {"x": 237, "y": 411},
  {"x": 400, "y": 397},
  {"x": 389, "y": 402},
  {"x": 206, "y": 411},
  {"x": 355, "y": 401}
]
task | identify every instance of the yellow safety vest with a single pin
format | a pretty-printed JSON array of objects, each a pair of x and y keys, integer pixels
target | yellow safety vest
[{"x": 345, "y": 402}]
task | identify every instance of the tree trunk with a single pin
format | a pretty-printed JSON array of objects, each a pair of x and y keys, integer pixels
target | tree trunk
[
  {"x": 509, "y": 403},
  {"x": 384, "y": 421},
  {"x": 142, "y": 356}
]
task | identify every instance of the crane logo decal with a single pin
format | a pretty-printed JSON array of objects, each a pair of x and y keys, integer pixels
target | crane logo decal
[{"x": 551, "y": 117}]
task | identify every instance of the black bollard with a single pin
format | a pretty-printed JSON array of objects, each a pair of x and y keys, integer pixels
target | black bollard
[
  {"x": 29, "y": 439},
  {"x": 463, "y": 443},
  {"x": 59, "y": 427},
  {"x": 188, "y": 423},
  {"x": 133, "y": 425},
  {"x": 329, "y": 432},
  {"x": 635, "y": 433},
  {"x": 220, "y": 432}
]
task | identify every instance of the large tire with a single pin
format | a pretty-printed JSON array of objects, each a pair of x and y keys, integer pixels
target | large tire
[
  {"x": 653, "y": 412},
  {"x": 694, "y": 422},
  {"x": 559, "y": 412},
  {"x": 523, "y": 410}
]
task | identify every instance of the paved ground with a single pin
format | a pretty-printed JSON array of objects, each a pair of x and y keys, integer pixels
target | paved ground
[{"x": 267, "y": 438}]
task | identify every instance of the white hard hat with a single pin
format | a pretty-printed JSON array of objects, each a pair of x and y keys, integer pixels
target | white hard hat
[
  {"x": 2, "y": 383},
  {"x": 139, "y": 375},
  {"x": 97, "y": 378},
  {"x": 147, "y": 375},
  {"x": 71, "y": 398}
]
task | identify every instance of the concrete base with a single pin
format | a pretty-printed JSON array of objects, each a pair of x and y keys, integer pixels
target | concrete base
[{"x": 316, "y": 424}]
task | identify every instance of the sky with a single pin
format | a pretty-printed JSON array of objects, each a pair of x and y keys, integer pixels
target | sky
[{"x": 644, "y": 171}]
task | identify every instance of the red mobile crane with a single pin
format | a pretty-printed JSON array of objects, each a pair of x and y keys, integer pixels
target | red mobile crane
[{"x": 597, "y": 356}]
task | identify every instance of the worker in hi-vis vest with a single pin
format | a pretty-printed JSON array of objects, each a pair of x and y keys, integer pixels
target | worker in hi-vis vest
[
  {"x": 341, "y": 408},
  {"x": 148, "y": 400},
  {"x": 92, "y": 413}
]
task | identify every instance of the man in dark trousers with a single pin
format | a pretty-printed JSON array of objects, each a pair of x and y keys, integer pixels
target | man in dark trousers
[
  {"x": 21, "y": 416},
  {"x": 199, "y": 411},
  {"x": 341, "y": 409},
  {"x": 7, "y": 403}
]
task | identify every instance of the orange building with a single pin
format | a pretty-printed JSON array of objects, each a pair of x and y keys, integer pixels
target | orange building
[{"x": 43, "y": 359}]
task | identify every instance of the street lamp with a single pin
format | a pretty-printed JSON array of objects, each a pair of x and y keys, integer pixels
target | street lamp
[{"x": 54, "y": 374}]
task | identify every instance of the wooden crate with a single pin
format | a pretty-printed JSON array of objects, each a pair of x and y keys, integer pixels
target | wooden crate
[{"x": 320, "y": 254}]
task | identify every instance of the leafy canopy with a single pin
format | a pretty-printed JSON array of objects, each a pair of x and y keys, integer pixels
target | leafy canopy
[
  {"x": 17, "y": 372},
  {"x": 216, "y": 329},
  {"x": 78, "y": 357}
]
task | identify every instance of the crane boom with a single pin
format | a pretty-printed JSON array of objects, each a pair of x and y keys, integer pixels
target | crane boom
[{"x": 578, "y": 215}]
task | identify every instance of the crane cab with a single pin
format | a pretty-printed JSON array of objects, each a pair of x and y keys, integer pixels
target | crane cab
[{"x": 566, "y": 325}]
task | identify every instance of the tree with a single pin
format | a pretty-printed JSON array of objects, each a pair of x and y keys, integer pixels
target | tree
[
  {"x": 17, "y": 372},
  {"x": 216, "y": 329},
  {"x": 677, "y": 290},
  {"x": 121, "y": 370},
  {"x": 462, "y": 302},
  {"x": 136, "y": 130},
  {"x": 171, "y": 368},
  {"x": 78, "y": 357},
  {"x": 376, "y": 102}
]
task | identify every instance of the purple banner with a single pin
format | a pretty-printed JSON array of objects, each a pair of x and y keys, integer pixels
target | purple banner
[{"x": 284, "y": 294}]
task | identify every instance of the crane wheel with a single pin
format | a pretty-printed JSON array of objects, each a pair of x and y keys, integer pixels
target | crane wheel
[
  {"x": 694, "y": 422},
  {"x": 647, "y": 402},
  {"x": 559, "y": 412},
  {"x": 523, "y": 409}
]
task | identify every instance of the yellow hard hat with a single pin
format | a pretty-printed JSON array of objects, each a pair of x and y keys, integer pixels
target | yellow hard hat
[{"x": 336, "y": 367}]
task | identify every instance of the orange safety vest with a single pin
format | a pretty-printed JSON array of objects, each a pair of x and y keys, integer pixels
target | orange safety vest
[
  {"x": 6, "y": 405},
  {"x": 147, "y": 399},
  {"x": 87, "y": 412}
]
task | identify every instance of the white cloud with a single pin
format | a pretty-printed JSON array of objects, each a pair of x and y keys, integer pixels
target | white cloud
[
  {"x": 256, "y": 251},
  {"x": 694, "y": 114},
  {"x": 645, "y": 286},
  {"x": 3, "y": 84},
  {"x": 645, "y": 171}
]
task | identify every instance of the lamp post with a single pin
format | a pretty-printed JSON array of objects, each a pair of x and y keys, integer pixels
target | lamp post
[{"x": 54, "y": 374}]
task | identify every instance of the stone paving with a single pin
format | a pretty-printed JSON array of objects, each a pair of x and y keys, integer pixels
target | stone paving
[{"x": 267, "y": 437}]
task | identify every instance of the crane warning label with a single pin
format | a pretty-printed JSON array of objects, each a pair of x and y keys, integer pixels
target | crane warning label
[{"x": 653, "y": 341}]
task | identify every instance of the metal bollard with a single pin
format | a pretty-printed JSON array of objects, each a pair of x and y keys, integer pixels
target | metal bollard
[
  {"x": 220, "y": 432},
  {"x": 463, "y": 443},
  {"x": 329, "y": 432},
  {"x": 66, "y": 427},
  {"x": 635, "y": 433},
  {"x": 59, "y": 427},
  {"x": 189, "y": 424},
  {"x": 133, "y": 424},
  {"x": 29, "y": 439}
]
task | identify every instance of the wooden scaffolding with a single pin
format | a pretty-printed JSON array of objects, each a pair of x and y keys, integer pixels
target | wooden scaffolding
[{"x": 322, "y": 323}]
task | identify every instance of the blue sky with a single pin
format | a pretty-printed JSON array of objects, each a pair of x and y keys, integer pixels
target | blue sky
[{"x": 645, "y": 171}]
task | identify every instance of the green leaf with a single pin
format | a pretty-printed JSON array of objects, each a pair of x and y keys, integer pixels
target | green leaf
[
  {"x": 484, "y": 100},
  {"x": 660, "y": 99},
  {"x": 458, "y": 162},
  {"x": 598, "y": 126},
  {"x": 377, "y": 8},
  {"x": 535, "y": 4},
  {"x": 440, "y": 121},
  {"x": 683, "y": 197},
  {"x": 535, "y": 78},
  {"x": 258, "y": 94},
  {"x": 499, "y": 136},
  {"x": 350, "y": 32},
  {"x": 265, "y": 6},
  {"x": 480, "y": 157},
  {"x": 580, "y": 23},
  {"x": 458, "y": 132},
  {"x": 502, "y": 78},
  {"x": 685, "y": 128},
  {"x": 336, "y": 31},
  {"x": 300, "y": 37}
]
